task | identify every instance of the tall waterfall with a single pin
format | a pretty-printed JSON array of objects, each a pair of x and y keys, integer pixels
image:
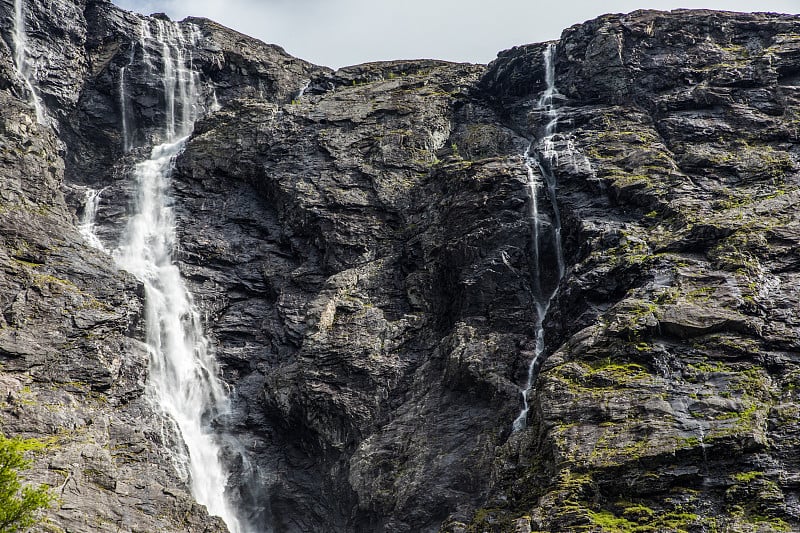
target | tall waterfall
[
  {"x": 21, "y": 61},
  {"x": 545, "y": 161},
  {"x": 183, "y": 380}
]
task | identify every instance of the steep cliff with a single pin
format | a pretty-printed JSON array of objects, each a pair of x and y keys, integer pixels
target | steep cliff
[
  {"x": 373, "y": 252},
  {"x": 669, "y": 400}
]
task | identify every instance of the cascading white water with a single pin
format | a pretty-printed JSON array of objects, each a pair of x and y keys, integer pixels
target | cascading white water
[
  {"x": 548, "y": 159},
  {"x": 21, "y": 61},
  {"x": 86, "y": 225},
  {"x": 183, "y": 380},
  {"x": 545, "y": 162},
  {"x": 123, "y": 102},
  {"x": 215, "y": 106}
]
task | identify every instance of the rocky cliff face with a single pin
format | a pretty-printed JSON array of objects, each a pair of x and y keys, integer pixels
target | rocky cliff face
[{"x": 362, "y": 254}]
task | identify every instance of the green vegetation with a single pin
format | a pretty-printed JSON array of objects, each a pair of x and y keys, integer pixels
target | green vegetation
[
  {"x": 20, "y": 506},
  {"x": 747, "y": 477},
  {"x": 640, "y": 519},
  {"x": 629, "y": 252},
  {"x": 736, "y": 254},
  {"x": 709, "y": 368},
  {"x": 701, "y": 294},
  {"x": 620, "y": 372},
  {"x": 611, "y": 523},
  {"x": 733, "y": 201},
  {"x": 666, "y": 296},
  {"x": 774, "y": 523},
  {"x": 634, "y": 317}
]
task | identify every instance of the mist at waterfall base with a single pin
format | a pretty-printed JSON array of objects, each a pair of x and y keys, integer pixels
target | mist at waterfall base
[{"x": 348, "y": 32}]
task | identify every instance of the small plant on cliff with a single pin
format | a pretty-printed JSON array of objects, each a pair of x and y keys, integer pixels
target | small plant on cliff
[{"x": 19, "y": 506}]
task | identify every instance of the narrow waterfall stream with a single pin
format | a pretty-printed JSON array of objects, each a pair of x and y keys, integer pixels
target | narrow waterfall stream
[
  {"x": 21, "y": 61},
  {"x": 123, "y": 103},
  {"x": 86, "y": 224},
  {"x": 183, "y": 382},
  {"x": 544, "y": 161}
]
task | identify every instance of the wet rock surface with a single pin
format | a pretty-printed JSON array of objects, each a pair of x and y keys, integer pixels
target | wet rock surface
[
  {"x": 666, "y": 397},
  {"x": 73, "y": 370},
  {"x": 359, "y": 243}
]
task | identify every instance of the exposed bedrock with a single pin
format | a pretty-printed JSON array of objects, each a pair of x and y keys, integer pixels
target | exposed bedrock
[{"x": 359, "y": 244}]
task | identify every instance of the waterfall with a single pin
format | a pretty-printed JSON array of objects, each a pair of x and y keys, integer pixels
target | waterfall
[
  {"x": 545, "y": 161},
  {"x": 21, "y": 61},
  {"x": 123, "y": 102},
  {"x": 183, "y": 380},
  {"x": 303, "y": 90},
  {"x": 548, "y": 159},
  {"x": 215, "y": 103},
  {"x": 86, "y": 225}
]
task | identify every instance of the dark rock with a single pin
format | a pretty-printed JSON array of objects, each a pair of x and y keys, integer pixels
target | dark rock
[{"x": 359, "y": 243}]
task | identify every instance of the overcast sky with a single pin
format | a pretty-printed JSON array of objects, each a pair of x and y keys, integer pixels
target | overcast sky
[{"x": 336, "y": 33}]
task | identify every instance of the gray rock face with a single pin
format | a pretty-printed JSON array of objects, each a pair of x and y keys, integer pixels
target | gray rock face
[
  {"x": 363, "y": 294},
  {"x": 664, "y": 403},
  {"x": 73, "y": 365},
  {"x": 73, "y": 371},
  {"x": 363, "y": 258}
]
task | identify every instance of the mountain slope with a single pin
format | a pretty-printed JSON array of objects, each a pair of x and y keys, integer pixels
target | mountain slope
[{"x": 370, "y": 268}]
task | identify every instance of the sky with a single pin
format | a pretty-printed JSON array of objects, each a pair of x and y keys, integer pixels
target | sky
[{"x": 336, "y": 33}]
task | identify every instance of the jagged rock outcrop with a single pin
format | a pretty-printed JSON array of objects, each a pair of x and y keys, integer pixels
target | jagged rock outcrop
[
  {"x": 348, "y": 337},
  {"x": 668, "y": 400},
  {"x": 73, "y": 369},
  {"x": 73, "y": 365},
  {"x": 360, "y": 245}
]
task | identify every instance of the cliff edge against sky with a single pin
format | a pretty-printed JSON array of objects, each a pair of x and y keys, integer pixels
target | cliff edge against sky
[{"x": 376, "y": 255}]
